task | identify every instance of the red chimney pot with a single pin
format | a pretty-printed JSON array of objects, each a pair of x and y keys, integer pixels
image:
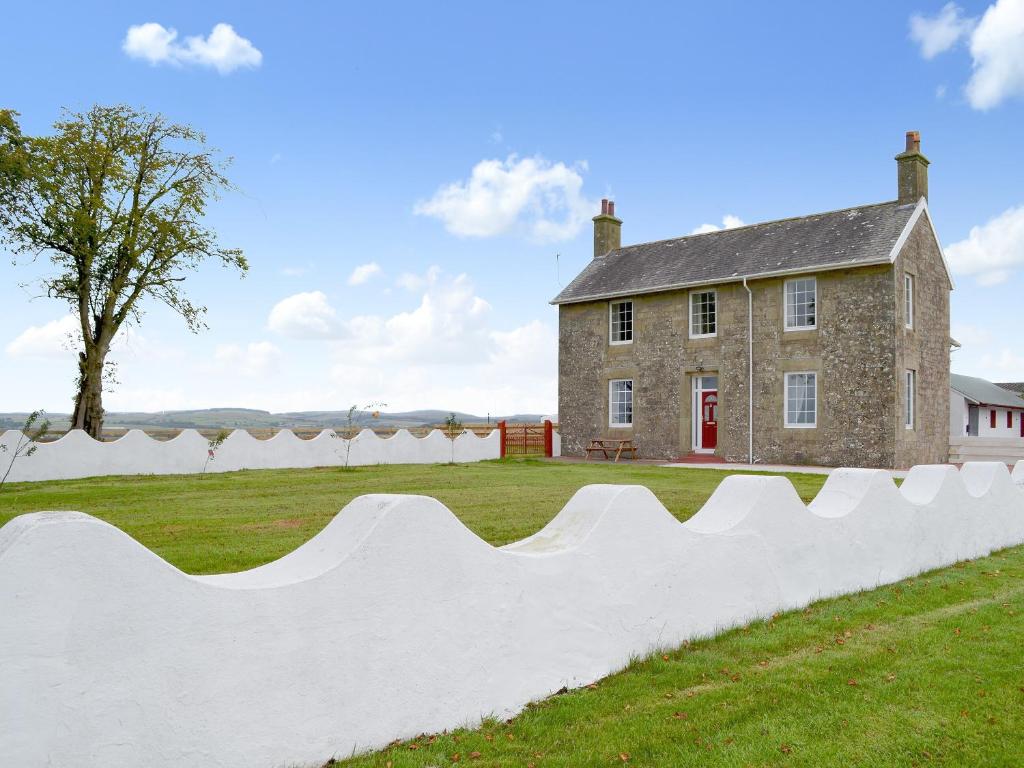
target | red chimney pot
[
  {"x": 611, "y": 207},
  {"x": 604, "y": 205}
]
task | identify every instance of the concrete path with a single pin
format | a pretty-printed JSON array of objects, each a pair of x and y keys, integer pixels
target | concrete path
[{"x": 807, "y": 470}]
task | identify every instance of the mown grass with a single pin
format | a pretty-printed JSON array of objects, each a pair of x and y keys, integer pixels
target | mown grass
[
  {"x": 229, "y": 522},
  {"x": 928, "y": 672}
]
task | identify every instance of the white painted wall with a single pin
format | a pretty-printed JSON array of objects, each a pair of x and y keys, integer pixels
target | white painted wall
[
  {"x": 985, "y": 428},
  {"x": 397, "y": 620},
  {"x": 136, "y": 453},
  {"x": 959, "y": 414}
]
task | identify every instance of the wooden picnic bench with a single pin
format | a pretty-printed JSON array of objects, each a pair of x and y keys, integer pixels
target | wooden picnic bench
[{"x": 604, "y": 447}]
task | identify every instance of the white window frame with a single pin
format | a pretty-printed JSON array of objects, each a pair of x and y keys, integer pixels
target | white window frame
[
  {"x": 611, "y": 404},
  {"x": 908, "y": 299},
  {"x": 909, "y": 398},
  {"x": 785, "y": 400},
  {"x": 785, "y": 304},
  {"x": 611, "y": 322},
  {"x": 713, "y": 292}
]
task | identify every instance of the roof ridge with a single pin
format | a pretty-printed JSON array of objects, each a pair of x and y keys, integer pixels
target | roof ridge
[{"x": 755, "y": 224}]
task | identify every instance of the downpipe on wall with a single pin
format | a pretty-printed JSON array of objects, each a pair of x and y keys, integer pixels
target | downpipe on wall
[{"x": 750, "y": 372}]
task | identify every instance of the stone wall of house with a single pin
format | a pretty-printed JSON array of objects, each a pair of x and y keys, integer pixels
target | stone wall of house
[
  {"x": 853, "y": 350},
  {"x": 923, "y": 349}
]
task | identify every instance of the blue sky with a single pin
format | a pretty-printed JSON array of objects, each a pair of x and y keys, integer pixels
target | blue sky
[{"x": 460, "y": 148}]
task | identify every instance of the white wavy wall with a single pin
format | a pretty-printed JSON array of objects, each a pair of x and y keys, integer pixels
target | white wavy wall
[
  {"x": 396, "y": 619},
  {"x": 136, "y": 453}
]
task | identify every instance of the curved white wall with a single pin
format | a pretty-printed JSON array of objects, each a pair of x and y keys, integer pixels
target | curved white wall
[
  {"x": 397, "y": 620},
  {"x": 75, "y": 454}
]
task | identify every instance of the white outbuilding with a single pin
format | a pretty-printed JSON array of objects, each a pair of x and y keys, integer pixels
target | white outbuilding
[{"x": 986, "y": 421}]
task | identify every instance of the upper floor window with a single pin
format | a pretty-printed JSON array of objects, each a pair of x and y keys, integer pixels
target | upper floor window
[
  {"x": 802, "y": 400},
  {"x": 908, "y": 299},
  {"x": 909, "y": 399},
  {"x": 620, "y": 403},
  {"x": 801, "y": 304},
  {"x": 703, "y": 314},
  {"x": 621, "y": 322}
]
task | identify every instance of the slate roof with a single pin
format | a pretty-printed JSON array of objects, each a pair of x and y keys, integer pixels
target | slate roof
[
  {"x": 984, "y": 392},
  {"x": 853, "y": 236},
  {"x": 1013, "y": 386}
]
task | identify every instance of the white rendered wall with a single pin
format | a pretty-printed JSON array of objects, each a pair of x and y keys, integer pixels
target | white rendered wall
[
  {"x": 136, "y": 453},
  {"x": 397, "y": 620},
  {"x": 985, "y": 428}
]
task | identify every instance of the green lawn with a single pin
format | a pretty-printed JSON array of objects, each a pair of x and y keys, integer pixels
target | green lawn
[
  {"x": 233, "y": 521},
  {"x": 924, "y": 673}
]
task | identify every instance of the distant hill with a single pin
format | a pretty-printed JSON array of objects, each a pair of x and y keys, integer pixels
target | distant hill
[{"x": 248, "y": 418}]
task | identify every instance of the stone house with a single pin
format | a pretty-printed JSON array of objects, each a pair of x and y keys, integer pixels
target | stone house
[{"x": 821, "y": 339}]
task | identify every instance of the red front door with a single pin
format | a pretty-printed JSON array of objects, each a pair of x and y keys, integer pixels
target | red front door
[{"x": 708, "y": 419}]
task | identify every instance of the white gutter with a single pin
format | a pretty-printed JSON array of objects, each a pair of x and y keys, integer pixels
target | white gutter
[{"x": 750, "y": 372}]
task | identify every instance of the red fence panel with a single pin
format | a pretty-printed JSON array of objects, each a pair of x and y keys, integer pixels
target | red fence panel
[{"x": 526, "y": 439}]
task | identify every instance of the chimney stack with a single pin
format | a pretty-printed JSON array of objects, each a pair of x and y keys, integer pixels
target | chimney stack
[
  {"x": 607, "y": 229},
  {"x": 912, "y": 171}
]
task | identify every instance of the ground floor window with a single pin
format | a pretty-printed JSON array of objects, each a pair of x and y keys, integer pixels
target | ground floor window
[
  {"x": 802, "y": 400},
  {"x": 908, "y": 399},
  {"x": 620, "y": 403}
]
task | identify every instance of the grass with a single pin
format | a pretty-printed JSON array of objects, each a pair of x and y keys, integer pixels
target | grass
[
  {"x": 233, "y": 521},
  {"x": 927, "y": 672}
]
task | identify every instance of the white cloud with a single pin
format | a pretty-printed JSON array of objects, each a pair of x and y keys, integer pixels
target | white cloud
[
  {"x": 991, "y": 251},
  {"x": 442, "y": 352},
  {"x": 223, "y": 49},
  {"x": 528, "y": 195},
  {"x": 937, "y": 34},
  {"x": 728, "y": 222},
  {"x": 971, "y": 335},
  {"x": 413, "y": 282},
  {"x": 997, "y": 47},
  {"x": 55, "y": 339},
  {"x": 1005, "y": 365},
  {"x": 363, "y": 273},
  {"x": 257, "y": 358},
  {"x": 996, "y": 44},
  {"x": 304, "y": 316}
]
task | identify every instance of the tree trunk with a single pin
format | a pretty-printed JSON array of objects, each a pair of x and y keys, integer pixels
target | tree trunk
[{"x": 88, "y": 413}]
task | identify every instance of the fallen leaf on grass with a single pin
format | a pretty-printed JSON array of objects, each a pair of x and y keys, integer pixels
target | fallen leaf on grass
[
  {"x": 785, "y": 749},
  {"x": 851, "y": 681},
  {"x": 624, "y": 756}
]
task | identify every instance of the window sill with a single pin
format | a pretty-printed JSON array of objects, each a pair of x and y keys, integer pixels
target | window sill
[
  {"x": 800, "y": 328},
  {"x": 620, "y": 343},
  {"x": 800, "y": 426},
  {"x": 704, "y": 335}
]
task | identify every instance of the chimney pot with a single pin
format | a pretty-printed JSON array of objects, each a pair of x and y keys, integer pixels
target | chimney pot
[
  {"x": 611, "y": 207},
  {"x": 913, "y": 141},
  {"x": 604, "y": 205}
]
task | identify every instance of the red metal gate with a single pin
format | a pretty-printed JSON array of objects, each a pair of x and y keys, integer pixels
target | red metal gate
[{"x": 526, "y": 439}]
